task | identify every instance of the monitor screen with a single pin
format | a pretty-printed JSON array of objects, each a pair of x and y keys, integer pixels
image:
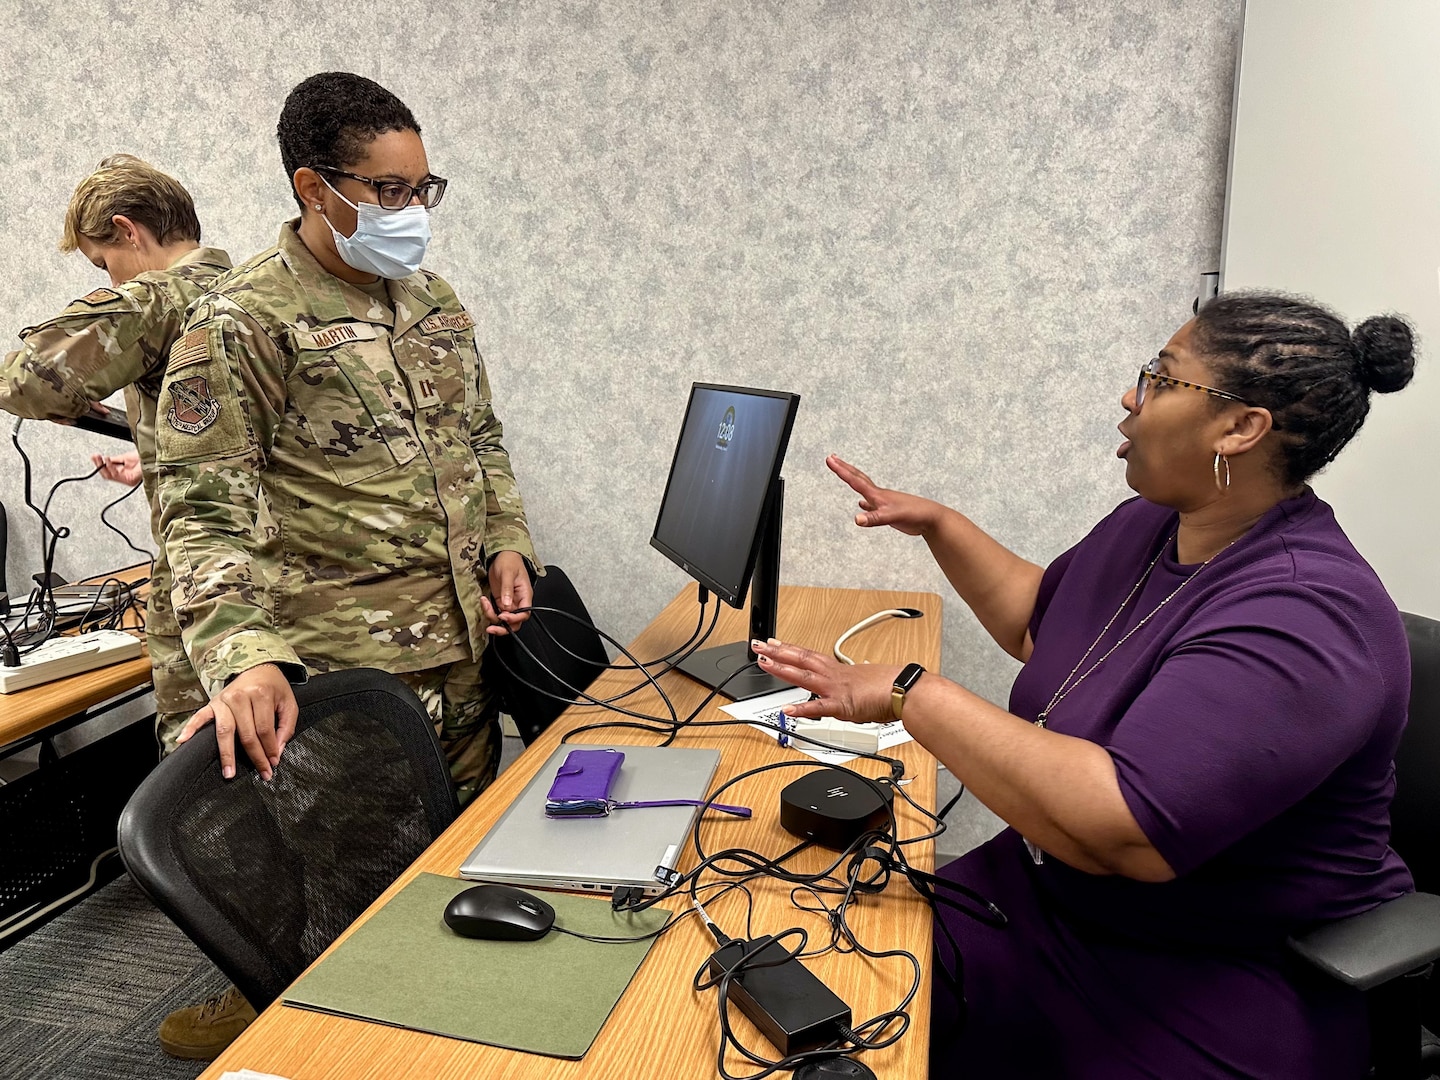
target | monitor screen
[{"x": 731, "y": 445}]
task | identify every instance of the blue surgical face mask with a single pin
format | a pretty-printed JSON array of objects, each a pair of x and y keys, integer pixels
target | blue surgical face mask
[{"x": 390, "y": 243}]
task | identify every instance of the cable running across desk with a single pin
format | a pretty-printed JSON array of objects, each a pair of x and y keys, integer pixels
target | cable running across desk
[{"x": 868, "y": 861}]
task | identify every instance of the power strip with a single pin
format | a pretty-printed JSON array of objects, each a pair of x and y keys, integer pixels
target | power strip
[{"x": 69, "y": 655}]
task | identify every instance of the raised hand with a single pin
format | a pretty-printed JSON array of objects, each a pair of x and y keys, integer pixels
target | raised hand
[{"x": 909, "y": 514}]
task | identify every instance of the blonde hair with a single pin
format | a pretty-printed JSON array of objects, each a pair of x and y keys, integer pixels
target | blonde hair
[{"x": 125, "y": 185}]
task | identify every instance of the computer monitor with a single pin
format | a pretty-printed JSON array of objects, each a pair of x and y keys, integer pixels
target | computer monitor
[{"x": 721, "y": 515}]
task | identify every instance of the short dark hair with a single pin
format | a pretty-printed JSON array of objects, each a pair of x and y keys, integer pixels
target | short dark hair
[
  {"x": 1297, "y": 359},
  {"x": 330, "y": 118}
]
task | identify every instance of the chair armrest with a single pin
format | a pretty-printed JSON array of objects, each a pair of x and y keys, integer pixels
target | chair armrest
[{"x": 1370, "y": 949}]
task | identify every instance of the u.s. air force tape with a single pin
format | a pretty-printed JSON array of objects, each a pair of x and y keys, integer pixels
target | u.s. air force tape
[{"x": 442, "y": 321}]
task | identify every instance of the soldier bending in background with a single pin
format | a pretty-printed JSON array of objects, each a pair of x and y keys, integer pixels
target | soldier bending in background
[{"x": 139, "y": 226}]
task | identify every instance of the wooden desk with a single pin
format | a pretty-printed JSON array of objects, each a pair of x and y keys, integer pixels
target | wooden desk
[
  {"x": 33, "y": 710},
  {"x": 661, "y": 1028}
]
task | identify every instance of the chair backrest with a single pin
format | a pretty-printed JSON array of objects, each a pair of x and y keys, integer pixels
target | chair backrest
[
  {"x": 4, "y": 546},
  {"x": 264, "y": 876},
  {"x": 1415, "y": 813},
  {"x": 566, "y": 654}
]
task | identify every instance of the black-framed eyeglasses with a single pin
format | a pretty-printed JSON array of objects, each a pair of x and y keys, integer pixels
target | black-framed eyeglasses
[
  {"x": 1149, "y": 373},
  {"x": 393, "y": 194}
]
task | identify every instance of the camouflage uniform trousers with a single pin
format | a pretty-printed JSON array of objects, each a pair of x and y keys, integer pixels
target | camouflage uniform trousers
[
  {"x": 467, "y": 719},
  {"x": 178, "y": 693}
]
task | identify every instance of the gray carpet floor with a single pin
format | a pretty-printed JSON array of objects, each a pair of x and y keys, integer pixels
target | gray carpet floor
[{"x": 82, "y": 996}]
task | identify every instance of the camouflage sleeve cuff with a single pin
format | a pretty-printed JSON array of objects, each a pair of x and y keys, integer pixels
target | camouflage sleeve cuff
[
  {"x": 35, "y": 395},
  {"x": 523, "y": 548},
  {"x": 245, "y": 650}
]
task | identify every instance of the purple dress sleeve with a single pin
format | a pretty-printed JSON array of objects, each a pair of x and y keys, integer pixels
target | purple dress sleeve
[{"x": 1243, "y": 719}]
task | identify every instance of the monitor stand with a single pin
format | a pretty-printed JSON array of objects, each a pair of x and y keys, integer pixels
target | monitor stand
[
  {"x": 711, "y": 666},
  {"x": 715, "y": 667}
]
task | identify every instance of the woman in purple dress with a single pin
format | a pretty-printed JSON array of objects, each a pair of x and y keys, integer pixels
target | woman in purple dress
[{"x": 1197, "y": 760}]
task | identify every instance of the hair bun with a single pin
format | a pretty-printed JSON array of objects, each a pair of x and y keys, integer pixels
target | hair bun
[{"x": 1386, "y": 345}]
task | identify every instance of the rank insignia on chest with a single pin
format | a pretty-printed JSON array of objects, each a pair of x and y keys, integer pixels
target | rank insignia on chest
[
  {"x": 427, "y": 394},
  {"x": 194, "y": 408},
  {"x": 434, "y": 324}
]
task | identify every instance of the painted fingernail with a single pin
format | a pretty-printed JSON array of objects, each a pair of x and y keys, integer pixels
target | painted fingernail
[
  {"x": 756, "y": 643},
  {"x": 773, "y": 641},
  {"x": 764, "y": 659},
  {"x": 228, "y": 772}
]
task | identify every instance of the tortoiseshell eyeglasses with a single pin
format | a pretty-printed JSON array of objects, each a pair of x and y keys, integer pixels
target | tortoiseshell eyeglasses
[{"x": 1149, "y": 373}]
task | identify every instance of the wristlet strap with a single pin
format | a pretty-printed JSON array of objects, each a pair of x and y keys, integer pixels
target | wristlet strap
[{"x": 738, "y": 811}]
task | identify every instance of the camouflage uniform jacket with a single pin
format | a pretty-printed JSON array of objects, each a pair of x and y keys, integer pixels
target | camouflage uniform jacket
[
  {"x": 108, "y": 340},
  {"x": 369, "y": 433}
]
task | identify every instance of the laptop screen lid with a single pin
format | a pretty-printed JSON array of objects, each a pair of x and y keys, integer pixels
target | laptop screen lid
[{"x": 597, "y": 854}]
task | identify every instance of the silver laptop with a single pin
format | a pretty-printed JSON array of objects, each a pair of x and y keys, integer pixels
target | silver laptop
[{"x": 598, "y": 854}]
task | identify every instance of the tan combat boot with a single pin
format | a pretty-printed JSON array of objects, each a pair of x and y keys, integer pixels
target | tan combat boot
[{"x": 200, "y": 1032}]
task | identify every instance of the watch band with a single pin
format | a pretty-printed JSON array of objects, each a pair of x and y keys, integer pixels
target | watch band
[{"x": 908, "y": 677}]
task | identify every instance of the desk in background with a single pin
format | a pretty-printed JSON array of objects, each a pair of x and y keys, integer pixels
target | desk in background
[
  {"x": 57, "y": 822},
  {"x": 661, "y": 1028},
  {"x": 31, "y": 711}
]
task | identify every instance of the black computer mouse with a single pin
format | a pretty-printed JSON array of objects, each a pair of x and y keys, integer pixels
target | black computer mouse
[{"x": 499, "y": 913}]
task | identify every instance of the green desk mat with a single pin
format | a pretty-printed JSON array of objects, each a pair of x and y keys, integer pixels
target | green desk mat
[{"x": 406, "y": 968}]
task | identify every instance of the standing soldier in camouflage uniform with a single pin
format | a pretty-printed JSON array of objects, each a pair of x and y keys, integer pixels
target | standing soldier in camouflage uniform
[
  {"x": 337, "y": 382},
  {"x": 139, "y": 226}
]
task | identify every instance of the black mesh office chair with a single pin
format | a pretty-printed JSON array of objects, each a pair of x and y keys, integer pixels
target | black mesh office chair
[
  {"x": 566, "y": 654},
  {"x": 4, "y": 546},
  {"x": 264, "y": 876},
  {"x": 1388, "y": 951}
]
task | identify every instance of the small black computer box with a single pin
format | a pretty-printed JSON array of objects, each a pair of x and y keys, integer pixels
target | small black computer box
[{"x": 832, "y": 807}]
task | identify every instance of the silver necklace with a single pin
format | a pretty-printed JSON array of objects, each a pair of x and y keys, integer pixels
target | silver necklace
[{"x": 1066, "y": 686}]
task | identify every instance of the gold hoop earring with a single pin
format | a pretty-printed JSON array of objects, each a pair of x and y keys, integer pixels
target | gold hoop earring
[{"x": 1222, "y": 487}]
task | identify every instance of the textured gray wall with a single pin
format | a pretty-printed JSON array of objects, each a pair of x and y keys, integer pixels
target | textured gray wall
[{"x": 956, "y": 229}]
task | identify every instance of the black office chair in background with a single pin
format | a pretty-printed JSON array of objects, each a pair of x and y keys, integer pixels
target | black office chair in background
[
  {"x": 264, "y": 876},
  {"x": 1388, "y": 951},
  {"x": 562, "y": 653},
  {"x": 4, "y": 548}
]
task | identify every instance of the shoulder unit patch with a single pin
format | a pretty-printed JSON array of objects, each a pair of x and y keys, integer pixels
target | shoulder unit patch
[
  {"x": 99, "y": 296},
  {"x": 193, "y": 407}
]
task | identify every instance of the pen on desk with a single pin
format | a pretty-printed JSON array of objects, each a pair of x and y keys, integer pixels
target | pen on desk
[{"x": 665, "y": 872}]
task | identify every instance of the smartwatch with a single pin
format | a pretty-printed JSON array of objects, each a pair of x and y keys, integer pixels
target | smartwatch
[{"x": 908, "y": 677}]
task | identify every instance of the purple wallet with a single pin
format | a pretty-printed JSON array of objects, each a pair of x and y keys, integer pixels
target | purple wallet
[
  {"x": 582, "y": 785},
  {"x": 582, "y": 788}
]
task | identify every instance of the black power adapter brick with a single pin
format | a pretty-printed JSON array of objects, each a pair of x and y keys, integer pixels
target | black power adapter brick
[
  {"x": 787, "y": 1001},
  {"x": 832, "y": 807}
]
